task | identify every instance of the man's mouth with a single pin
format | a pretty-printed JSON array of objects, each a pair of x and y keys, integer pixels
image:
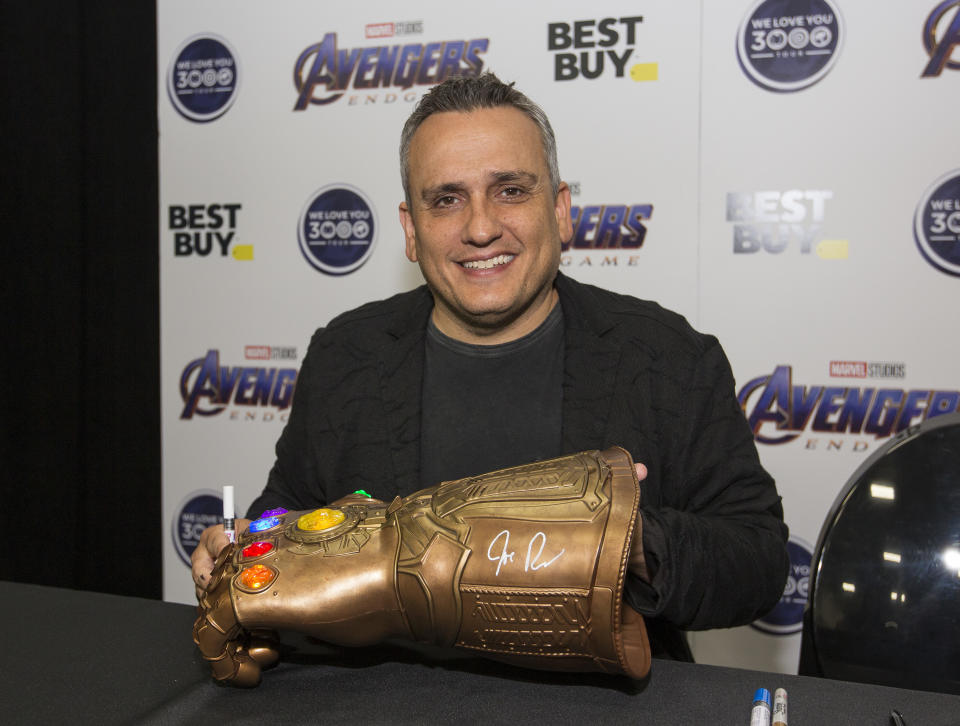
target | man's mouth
[{"x": 487, "y": 264}]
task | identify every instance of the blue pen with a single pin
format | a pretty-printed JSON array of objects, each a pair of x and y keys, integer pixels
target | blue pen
[{"x": 760, "y": 715}]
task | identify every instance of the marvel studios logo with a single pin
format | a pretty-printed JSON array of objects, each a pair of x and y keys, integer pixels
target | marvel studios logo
[
  {"x": 863, "y": 369},
  {"x": 388, "y": 30},
  {"x": 267, "y": 352}
]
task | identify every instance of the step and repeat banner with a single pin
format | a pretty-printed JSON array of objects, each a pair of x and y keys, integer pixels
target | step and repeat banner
[{"x": 785, "y": 173}]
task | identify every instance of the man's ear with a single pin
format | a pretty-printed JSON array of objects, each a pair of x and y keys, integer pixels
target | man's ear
[
  {"x": 409, "y": 231},
  {"x": 561, "y": 207}
]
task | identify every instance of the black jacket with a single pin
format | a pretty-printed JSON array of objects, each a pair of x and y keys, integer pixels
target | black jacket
[{"x": 635, "y": 375}]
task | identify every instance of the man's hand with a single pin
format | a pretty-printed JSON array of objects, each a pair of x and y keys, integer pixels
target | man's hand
[
  {"x": 212, "y": 541},
  {"x": 637, "y": 563},
  {"x": 641, "y": 472}
]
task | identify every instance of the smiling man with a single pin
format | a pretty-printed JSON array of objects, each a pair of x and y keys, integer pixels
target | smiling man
[
  {"x": 501, "y": 360},
  {"x": 484, "y": 219}
]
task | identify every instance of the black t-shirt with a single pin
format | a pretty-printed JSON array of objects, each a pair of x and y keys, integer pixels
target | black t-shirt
[{"x": 486, "y": 407}]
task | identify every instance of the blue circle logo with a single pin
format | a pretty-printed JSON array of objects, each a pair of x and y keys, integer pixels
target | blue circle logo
[
  {"x": 195, "y": 513},
  {"x": 337, "y": 229},
  {"x": 788, "y": 45},
  {"x": 203, "y": 78},
  {"x": 936, "y": 225},
  {"x": 786, "y": 617}
]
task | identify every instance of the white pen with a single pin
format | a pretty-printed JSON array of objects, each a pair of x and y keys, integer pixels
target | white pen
[
  {"x": 780, "y": 707},
  {"x": 228, "y": 514}
]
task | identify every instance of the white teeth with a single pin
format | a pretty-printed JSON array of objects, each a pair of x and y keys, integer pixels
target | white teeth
[{"x": 487, "y": 264}]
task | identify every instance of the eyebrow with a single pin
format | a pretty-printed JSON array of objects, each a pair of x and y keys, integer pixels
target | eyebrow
[
  {"x": 513, "y": 175},
  {"x": 440, "y": 190},
  {"x": 518, "y": 175}
]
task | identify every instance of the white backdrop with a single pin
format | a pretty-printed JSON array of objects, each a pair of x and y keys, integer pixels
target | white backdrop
[{"x": 776, "y": 183}]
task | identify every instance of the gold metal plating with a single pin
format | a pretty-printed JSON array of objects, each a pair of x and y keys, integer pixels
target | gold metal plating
[{"x": 525, "y": 565}]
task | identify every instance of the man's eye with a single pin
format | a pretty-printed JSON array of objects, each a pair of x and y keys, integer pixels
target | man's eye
[
  {"x": 445, "y": 201},
  {"x": 512, "y": 192}
]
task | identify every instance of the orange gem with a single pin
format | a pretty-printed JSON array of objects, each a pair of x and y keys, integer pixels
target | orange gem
[{"x": 257, "y": 577}]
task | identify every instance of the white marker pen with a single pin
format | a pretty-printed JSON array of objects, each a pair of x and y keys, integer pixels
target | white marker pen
[
  {"x": 228, "y": 514},
  {"x": 780, "y": 707}
]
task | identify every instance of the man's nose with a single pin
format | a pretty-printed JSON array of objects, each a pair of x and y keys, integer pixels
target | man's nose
[{"x": 482, "y": 225}]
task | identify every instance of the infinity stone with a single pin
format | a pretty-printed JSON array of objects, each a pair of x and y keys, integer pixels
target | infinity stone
[
  {"x": 256, "y": 577},
  {"x": 256, "y": 549},
  {"x": 259, "y": 525},
  {"x": 363, "y": 493},
  {"x": 274, "y": 512},
  {"x": 320, "y": 519}
]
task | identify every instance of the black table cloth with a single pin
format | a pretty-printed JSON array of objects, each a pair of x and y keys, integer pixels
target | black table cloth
[{"x": 83, "y": 657}]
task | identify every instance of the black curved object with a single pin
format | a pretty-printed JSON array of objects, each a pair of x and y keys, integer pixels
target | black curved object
[{"x": 884, "y": 603}]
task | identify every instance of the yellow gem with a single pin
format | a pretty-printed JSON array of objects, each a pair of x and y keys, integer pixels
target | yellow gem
[{"x": 320, "y": 519}]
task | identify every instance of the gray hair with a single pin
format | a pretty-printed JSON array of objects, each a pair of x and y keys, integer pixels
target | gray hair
[{"x": 469, "y": 94}]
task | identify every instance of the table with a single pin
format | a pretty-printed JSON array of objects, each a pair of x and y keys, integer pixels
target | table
[{"x": 83, "y": 657}]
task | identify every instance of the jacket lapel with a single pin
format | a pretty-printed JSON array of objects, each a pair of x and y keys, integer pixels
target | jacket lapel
[
  {"x": 591, "y": 364},
  {"x": 401, "y": 376}
]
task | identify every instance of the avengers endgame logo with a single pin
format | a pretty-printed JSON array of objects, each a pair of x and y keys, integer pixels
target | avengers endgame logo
[
  {"x": 589, "y": 49},
  {"x": 787, "y": 615},
  {"x": 198, "y": 511},
  {"x": 941, "y": 35},
  {"x": 936, "y": 224},
  {"x": 203, "y": 78},
  {"x": 202, "y": 230},
  {"x": 788, "y": 45},
  {"x": 323, "y": 73},
  {"x": 780, "y": 411},
  {"x": 259, "y": 393},
  {"x": 602, "y": 231},
  {"x": 777, "y": 222},
  {"x": 337, "y": 230}
]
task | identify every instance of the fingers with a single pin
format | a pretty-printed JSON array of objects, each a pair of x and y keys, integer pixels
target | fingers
[
  {"x": 201, "y": 565},
  {"x": 211, "y": 544},
  {"x": 241, "y": 525},
  {"x": 641, "y": 471},
  {"x": 212, "y": 541}
]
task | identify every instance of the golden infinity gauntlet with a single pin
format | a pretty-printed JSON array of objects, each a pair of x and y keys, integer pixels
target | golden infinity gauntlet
[{"x": 525, "y": 565}]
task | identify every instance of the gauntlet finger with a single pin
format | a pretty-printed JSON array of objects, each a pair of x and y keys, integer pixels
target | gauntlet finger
[
  {"x": 218, "y": 635},
  {"x": 220, "y": 640},
  {"x": 236, "y": 667},
  {"x": 263, "y": 647}
]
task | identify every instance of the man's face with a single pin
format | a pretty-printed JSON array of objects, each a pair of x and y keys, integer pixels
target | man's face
[{"x": 483, "y": 222}]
